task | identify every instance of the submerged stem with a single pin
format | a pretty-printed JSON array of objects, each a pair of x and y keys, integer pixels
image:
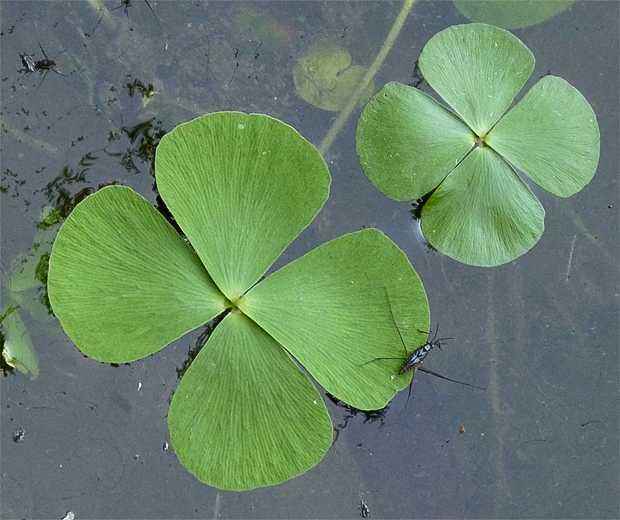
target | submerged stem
[{"x": 344, "y": 114}]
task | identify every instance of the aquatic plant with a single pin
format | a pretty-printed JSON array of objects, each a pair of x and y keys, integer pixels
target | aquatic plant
[
  {"x": 17, "y": 348},
  {"x": 511, "y": 15},
  {"x": 480, "y": 211},
  {"x": 25, "y": 295},
  {"x": 326, "y": 78},
  {"x": 124, "y": 284}
]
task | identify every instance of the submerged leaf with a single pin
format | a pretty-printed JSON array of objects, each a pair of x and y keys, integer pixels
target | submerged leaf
[
  {"x": 18, "y": 350},
  {"x": 325, "y": 78},
  {"x": 511, "y": 14}
]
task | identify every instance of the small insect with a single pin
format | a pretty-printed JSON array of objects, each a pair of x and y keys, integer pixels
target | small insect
[
  {"x": 46, "y": 64},
  {"x": 18, "y": 435},
  {"x": 364, "y": 509},
  {"x": 413, "y": 360}
]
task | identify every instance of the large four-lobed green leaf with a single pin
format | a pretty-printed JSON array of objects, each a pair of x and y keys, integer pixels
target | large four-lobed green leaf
[
  {"x": 124, "y": 284},
  {"x": 479, "y": 213}
]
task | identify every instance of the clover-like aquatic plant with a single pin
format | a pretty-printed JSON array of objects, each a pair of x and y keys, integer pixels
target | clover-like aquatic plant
[
  {"x": 124, "y": 284},
  {"x": 480, "y": 212}
]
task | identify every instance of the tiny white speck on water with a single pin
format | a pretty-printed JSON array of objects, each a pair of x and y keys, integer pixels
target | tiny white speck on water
[{"x": 139, "y": 385}]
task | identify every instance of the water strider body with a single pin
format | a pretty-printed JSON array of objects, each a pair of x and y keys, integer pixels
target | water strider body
[{"x": 413, "y": 360}]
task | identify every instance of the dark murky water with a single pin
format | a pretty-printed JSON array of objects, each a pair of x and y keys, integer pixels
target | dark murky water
[{"x": 540, "y": 333}]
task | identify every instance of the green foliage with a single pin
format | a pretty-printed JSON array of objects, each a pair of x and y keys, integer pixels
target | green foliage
[
  {"x": 242, "y": 187},
  {"x": 480, "y": 211},
  {"x": 17, "y": 348},
  {"x": 25, "y": 297},
  {"x": 511, "y": 14},
  {"x": 326, "y": 78}
]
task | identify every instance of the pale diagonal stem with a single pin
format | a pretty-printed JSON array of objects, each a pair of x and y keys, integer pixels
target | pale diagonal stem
[{"x": 345, "y": 113}]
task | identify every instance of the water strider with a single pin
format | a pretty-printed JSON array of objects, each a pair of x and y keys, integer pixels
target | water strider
[
  {"x": 413, "y": 360},
  {"x": 45, "y": 64}
]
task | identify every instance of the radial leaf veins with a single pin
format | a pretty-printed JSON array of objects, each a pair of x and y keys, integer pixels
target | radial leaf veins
[
  {"x": 467, "y": 158},
  {"x": 124, "y": 284}
]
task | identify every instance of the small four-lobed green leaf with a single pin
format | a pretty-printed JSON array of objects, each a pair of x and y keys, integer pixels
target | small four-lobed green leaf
[{"x": 480, "y": 212}]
